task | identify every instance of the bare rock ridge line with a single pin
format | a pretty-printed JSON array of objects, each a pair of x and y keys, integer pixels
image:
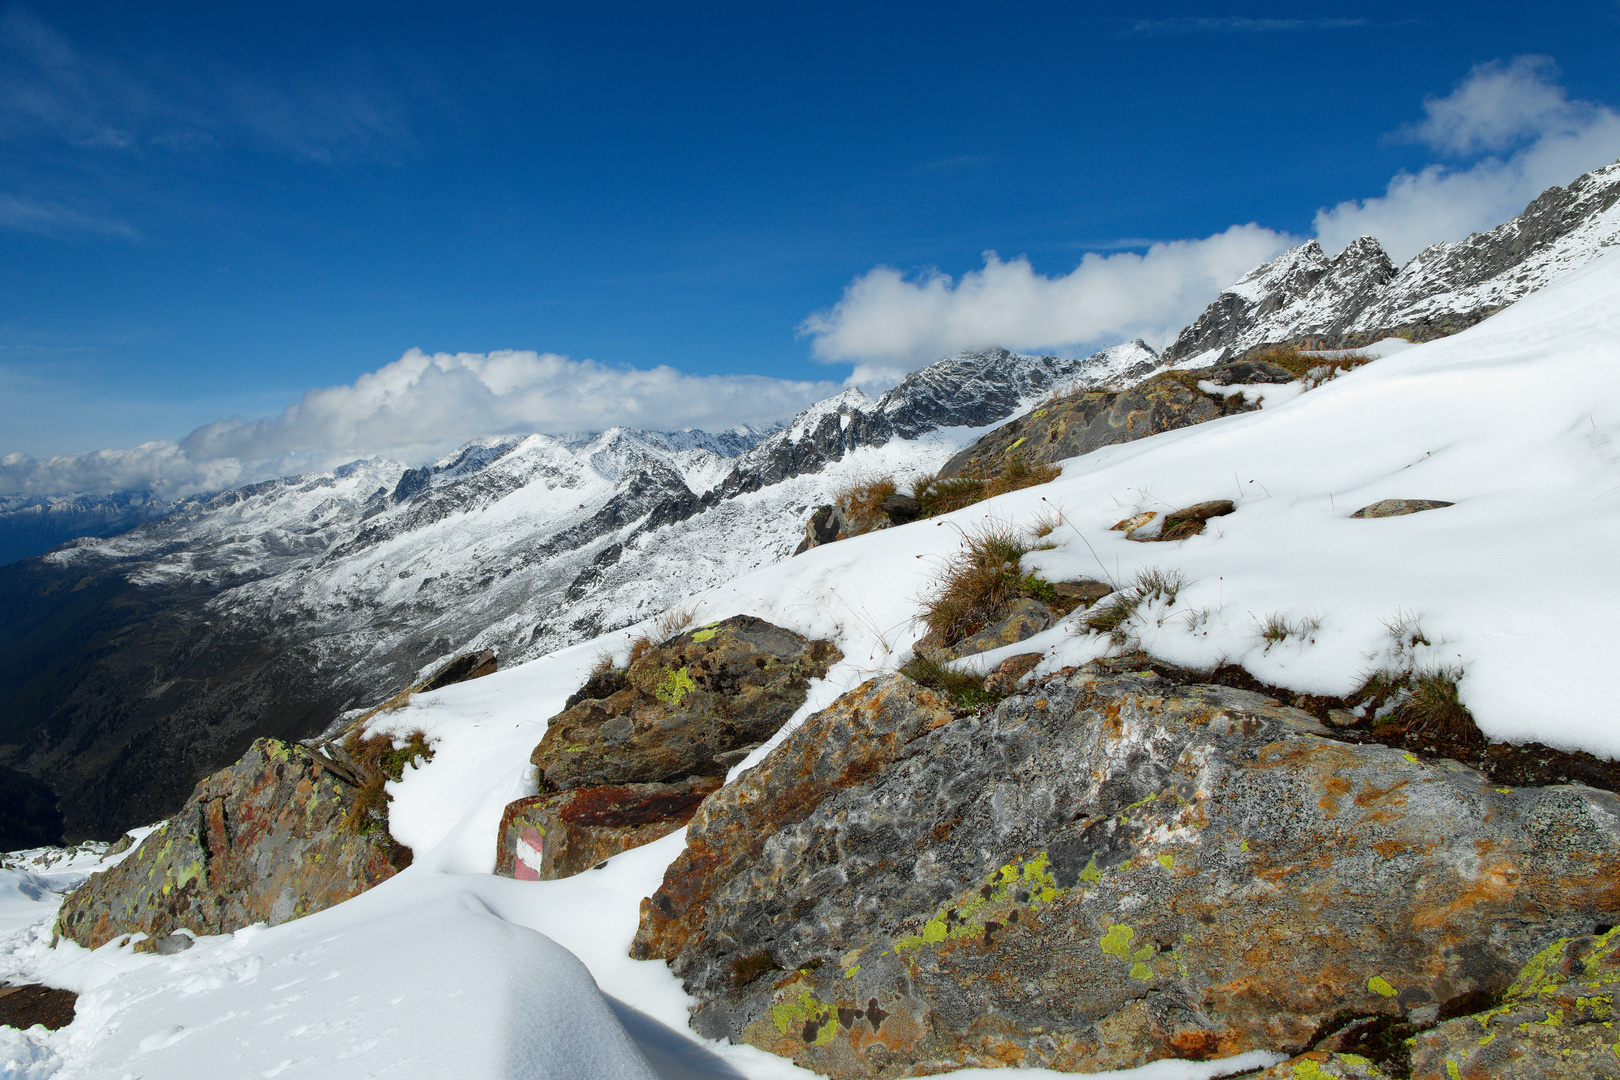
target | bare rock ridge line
[{"x": 1359, "y": 297}]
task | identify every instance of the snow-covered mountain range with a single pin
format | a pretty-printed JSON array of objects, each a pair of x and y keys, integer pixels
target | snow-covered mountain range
[
  {"x": 1359, "y": 297},
  {"x": 145, "y": 660}
]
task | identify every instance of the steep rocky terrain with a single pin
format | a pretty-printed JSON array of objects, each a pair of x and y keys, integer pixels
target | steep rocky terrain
[
  {"x": 139, "y": 664},
  {"x": 1358, "y": 297},
  {"x": 33, "y": 525}
]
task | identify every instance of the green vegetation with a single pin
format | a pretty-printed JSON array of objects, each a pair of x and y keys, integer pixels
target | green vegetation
[{"x": 377, "y": 760}]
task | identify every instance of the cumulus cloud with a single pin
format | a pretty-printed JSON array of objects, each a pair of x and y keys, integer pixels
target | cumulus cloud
[
  {"x": 887, "y": 322},
  {"x": 1534, "y": 136},
  {"x": 415, "y": 409}
]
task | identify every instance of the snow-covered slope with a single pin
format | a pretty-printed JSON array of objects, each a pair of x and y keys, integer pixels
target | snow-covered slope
[{"x": 1358, "y": 297}]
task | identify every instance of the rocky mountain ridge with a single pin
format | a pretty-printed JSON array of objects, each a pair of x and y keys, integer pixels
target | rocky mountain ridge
[{"x": 1359, "y": 297}]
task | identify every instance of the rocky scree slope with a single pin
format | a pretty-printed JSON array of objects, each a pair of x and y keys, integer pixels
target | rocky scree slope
[
  {"x": 1359, "y": 297},
  {"x": 141, "y": 663}
]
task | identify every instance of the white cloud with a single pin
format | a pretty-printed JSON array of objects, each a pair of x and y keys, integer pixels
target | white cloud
[
  {"x": 889, "y": 323},
  {"x": 1536, "y": 136},
  {"x": 416, "y": 409},
  {"x": 48, "y": 218}
]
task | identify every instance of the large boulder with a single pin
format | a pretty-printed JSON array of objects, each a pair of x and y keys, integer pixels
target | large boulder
[
  {"x": 689, "y": 707},
  {"x": 1105, "y": 870},
  {"x": 1083, "y": 422},
  {"x": 545, "y": 837},
  {"x": 268, "y": 839}
]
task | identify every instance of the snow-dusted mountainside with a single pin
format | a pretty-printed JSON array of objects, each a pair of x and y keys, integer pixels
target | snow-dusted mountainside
[
  {"x": 32, "y": 525},
  {"x": 1358, "y": 297},
  {"x": 146, "y": 660}
]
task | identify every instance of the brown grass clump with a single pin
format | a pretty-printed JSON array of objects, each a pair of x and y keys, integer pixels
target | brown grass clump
[
  {"x": 376, "y": 760},
  {"x": 1427, "y": 710},
  {"x": 979, "y": 584},
  {"x": 1314, "y": 370},
  {"x": 862, "y": 504},
  {"x": 666, "y": 626},
  {"x": 964, "y": 691},
  {"x": 939, "y": 495}
]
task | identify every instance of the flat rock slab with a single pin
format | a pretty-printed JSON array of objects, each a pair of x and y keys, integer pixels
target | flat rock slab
[
  {"x": 1398, "y": 507},
  {"x": 680, "y": 709},
  {"x": 545, "y": 837},
  {"x": 25, "y": 1006},
  {"x": 265, "y": 840},
  {"x": 1106, "y": 870}
]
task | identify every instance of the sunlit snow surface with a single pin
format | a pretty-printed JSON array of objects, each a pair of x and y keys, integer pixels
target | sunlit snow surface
[{"x": 440, "y": 971}]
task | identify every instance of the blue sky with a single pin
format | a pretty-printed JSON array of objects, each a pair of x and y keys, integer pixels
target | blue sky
[{"x": 208, "y": 211}]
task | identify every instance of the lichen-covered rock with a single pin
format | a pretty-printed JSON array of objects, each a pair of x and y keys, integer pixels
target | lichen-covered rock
[
  {"x": 1083, "y": 422},
  {"x": 1398, "y": 507},
  {"x": 1023, "y": 620},
  {"x": 1323, "y": 1066},
  {"x": 684, "y": 706},
  {"x": 1106, "y": 870},
  {"x": 825, "y": 525},
  {"x": 545, "y": 837},
  {"x": 266, "y": 840},
  {"x": 1555, "y": 1022},
  {"x": 1004, "y": 679}
]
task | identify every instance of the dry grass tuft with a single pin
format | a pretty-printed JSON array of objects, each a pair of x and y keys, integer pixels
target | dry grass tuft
[
  {"x": 1314, "y": 370},
  {"x": 376, "y": 760},
  {"x": 861, "y": 503},
  {"x": 1113, "y": 615},
  {"x": 979, "y": 583},
  {"x": 664, "y": 627},
  {"x": 965, "y": 691}
]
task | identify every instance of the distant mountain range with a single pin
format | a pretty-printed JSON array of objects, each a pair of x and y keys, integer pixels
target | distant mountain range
[{"x": 139, "y": 662}]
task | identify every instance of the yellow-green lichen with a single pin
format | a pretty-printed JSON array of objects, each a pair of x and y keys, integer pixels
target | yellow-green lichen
[
  {"x": 1029, "y": 882},
  {"x": 1038, "y": 413},
  {"x": 1452, "y": 1070},
  {"x": 673, "y": 685},
  {"x": 1091, "y": 875},
  {"x": 1167, "y": 861},
  {"x": 1244, "y": 846},
  {"x": 1380, "y": 986},
  {"x": 704, "y": 635},
  {"x": 807, "y": 1014},
  {"x": 1141, "y": 972},
  {"x": 1016, "y": 445}
]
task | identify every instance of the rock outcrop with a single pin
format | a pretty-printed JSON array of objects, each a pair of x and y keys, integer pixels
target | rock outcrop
[
  {"x": 1086, "y": 421},
  {"x": 267, "y": 840},
  {"x": 545, "y": 837},
  {"x": 1398, "y": 507},
  {"x": 1108, "y": 869},
  {"x": 691, "y": 706}
]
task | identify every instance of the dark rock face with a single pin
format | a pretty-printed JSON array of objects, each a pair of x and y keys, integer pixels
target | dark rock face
[
  {"x": 266, "y": 840},
  {"x": 684, "y": 707},
  {"x": 1104, "y": 871},
  {"x": 1083, "y": 422},
  {"x": 545, "y": 837},
  {"x": 461, "y": 669},
  {"x": 25, "y": 1006},
  {"x": 1398, "y": 507}
]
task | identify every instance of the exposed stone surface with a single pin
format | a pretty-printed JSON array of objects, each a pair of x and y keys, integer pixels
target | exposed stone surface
[
  {"x": 703, "y": 693},
  {"x": 1024, "y": 619},
  {"x": 901, "y": 508},
  {"x": 826, "y": 524},
  {"x": 545, "y": 837},
  {"x": 1398, "y": 507},
  {"x": 1084, "y": 590},
  {"x": 265, "y": 840},
  {"x": 462, "y": 668},
  {"x": 1083, "y": 422},
  {"x": 1004, "y": 679},
  {"x": 1555, "y": 1022},
  {"x": 1106, "y": 870}
]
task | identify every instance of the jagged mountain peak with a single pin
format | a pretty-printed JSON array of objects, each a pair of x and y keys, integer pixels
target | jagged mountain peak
[{"x": 1359, "y": 297}]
